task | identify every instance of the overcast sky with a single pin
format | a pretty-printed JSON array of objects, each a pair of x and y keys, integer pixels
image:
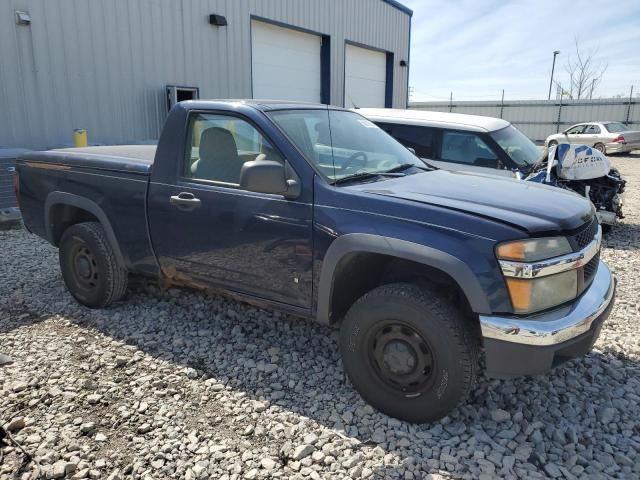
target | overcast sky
[{"x": 477, "y": 48}]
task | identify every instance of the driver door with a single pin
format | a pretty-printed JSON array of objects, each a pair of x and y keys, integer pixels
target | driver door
[
  {"x": 207, "y": 230},
  {"x": 575, "y": 134}
]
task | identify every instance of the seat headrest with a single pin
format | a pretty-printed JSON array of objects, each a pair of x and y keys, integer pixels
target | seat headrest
[{"x": 217, "y": 143}]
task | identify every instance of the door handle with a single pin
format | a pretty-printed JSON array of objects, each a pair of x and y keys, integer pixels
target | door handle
[{"x": 185, "y": 201}]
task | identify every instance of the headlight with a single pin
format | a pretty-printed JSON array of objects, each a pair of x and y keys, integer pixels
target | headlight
[
  {"x": 534, "y": 249},
  {"x": 530, "y": 295}
]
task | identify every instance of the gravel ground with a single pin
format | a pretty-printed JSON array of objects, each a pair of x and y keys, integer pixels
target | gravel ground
[{"x": 184, "y": 385}]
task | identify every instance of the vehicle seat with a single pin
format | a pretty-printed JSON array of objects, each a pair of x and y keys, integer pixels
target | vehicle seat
[{"x": 219, "y": 159}]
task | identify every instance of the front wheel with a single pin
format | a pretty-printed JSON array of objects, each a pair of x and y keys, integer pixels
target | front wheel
[
  {"x": 90, "y": 269},
  {"x": 408, "y": 352},
  {"x": 552, "y": 143}
]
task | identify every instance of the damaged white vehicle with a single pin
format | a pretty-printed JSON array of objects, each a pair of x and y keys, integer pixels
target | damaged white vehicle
[
  {"x": 587, "y": 171},
  {"x": 492, "y": 146}
]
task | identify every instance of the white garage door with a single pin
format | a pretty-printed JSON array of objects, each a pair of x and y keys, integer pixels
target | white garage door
[
  {"x": 285, "y": 63},
  {"x": 365, "y": 73}
]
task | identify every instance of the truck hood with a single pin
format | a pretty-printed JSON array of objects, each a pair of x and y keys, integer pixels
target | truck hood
[{"x": 530, "y": 206}]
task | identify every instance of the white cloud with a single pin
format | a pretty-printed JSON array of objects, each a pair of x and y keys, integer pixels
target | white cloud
[{"x": 478, "y": 48}]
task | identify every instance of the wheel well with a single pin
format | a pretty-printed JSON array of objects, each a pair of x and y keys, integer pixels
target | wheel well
[
  {"x": 359, "y": 273},
  {"x": 63, "y": 216}
]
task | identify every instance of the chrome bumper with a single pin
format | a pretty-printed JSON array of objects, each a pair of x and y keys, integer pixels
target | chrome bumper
[{"x": 555, "y": 326}]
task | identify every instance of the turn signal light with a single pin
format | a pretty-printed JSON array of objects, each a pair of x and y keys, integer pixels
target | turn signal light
[{"x": 520, "y": 293}]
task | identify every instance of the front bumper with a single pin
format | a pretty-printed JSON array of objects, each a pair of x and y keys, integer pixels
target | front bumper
[{"x": 530, "y": 345}]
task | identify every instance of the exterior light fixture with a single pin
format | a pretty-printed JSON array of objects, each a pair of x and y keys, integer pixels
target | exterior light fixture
[
  {"x": 23, "y": 18},
  {"x": 217, "y": 20}
]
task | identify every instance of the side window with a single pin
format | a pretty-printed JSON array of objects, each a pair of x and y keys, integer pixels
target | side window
[
  {"x": 576, "y": 130},
  {"x": 592, "y": 130},
  {"x": 468, "y": 148},
  {"x": 412, "y": 136},
  {"x": 219, "y": 145}
]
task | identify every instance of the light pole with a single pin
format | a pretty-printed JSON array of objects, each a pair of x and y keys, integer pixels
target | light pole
[{"x": 553, "y": 66}]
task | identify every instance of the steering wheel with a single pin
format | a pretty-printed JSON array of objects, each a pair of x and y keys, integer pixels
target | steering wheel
[{"x": 356, "y": 161}]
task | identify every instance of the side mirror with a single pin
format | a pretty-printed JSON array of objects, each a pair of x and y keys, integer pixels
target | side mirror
[{"x": 267, "y": 176}]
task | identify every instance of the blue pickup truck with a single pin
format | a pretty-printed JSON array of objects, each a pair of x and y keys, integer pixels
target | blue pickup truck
[{"x": 316, "y": 211}]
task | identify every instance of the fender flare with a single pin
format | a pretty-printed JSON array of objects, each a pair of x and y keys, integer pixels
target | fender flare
[
  {"x": 64, "y": 198},
  {"x": 368, "y": 243}
]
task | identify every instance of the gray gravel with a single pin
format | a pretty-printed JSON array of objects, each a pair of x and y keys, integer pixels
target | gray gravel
[{"x": 184, "y": 385}]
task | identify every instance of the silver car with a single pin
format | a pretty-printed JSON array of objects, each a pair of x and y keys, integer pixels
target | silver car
[{"x": 608, "y": 137}]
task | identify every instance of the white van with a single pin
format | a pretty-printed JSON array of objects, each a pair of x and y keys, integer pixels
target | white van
[
  {"x": 490, "y": 146},
  {"x": 454, "y": 141}
]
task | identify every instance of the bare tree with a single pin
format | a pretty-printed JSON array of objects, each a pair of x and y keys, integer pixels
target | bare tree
[{"x": 585, "y": 72}]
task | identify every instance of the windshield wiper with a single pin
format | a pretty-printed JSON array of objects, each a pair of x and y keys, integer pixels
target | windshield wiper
[
  {"x": 366, "y": 175},
  {"x": 405, "y": 166}
]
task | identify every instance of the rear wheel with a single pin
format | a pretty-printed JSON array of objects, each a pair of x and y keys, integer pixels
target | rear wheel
[
  {"x": 552, "y": 143},
  {"x": 408, "y": 352},
  {"x": 600, "y": 147},
  {"x": 89, "y": 266}
]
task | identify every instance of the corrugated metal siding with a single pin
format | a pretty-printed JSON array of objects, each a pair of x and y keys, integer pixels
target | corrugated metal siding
[
  {"x": 540, "y": 118},
  {"x": 103, "y": 65}
]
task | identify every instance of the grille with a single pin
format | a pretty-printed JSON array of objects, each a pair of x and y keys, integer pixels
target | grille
[
  {"x": 584, "y": 236},
  {"x": 590, "y": 269}
]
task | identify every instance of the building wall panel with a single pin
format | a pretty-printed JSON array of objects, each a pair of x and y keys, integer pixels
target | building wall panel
[{"x": 103, "y": 65}]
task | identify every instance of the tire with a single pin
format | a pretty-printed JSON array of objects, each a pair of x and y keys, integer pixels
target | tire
[
  {"x": 89, "y": 266},
  {"x": 411, "y": 327},
  {"x": 552, "y": 143},
  {"x": 600, "y": 147}
]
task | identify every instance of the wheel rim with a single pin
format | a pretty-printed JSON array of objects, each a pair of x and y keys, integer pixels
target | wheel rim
[
  {"x": 401, "y": 358},
  {"x": 600, "y": 147},
  {"x": 84, "y": 267}
]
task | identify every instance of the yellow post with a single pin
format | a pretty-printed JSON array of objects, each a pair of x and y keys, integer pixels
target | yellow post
[{"x": 80, "y": 137}]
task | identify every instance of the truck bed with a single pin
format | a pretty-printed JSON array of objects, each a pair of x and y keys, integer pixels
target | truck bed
[
  {"x": 110, "y": 183},
  {"x": 136, "y": 159}
]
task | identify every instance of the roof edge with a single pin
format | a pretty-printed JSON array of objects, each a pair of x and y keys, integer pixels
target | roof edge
[{"x": 399, "y": 6}]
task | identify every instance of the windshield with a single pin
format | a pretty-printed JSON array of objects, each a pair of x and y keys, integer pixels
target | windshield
[
  {"x": 515, "y": 144},
  {"x": 615, "y": 127},
  {"x": 343, "y": 144}
]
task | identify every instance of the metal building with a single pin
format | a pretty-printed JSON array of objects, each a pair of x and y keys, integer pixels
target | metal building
[{"x": 113, "y": 67}]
